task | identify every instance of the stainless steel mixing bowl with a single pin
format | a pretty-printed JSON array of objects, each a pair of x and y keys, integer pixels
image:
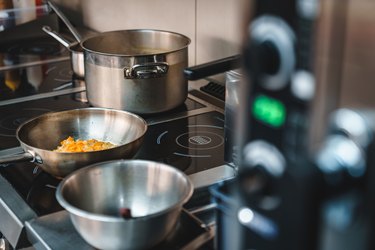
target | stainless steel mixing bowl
[{"x": 95, "y": 196}]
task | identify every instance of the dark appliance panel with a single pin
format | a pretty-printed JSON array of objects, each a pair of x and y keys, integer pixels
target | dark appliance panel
[{"x": 276, "y": 179}]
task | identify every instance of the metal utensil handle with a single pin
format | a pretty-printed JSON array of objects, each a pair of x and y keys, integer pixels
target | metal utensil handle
[
  {"x": 146, "y": 70},
  {"x": 212, "y": 68},
  {"x": 65, "y": 20},
  {"x": 57, "y": 36},
  {"x": 26, "y": 156}
]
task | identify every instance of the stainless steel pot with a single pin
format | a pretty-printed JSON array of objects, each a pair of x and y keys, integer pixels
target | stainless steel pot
[
  {"x": 41, "y": 135},
  {"x": 76, "y": 52},
  {"x": 154, "y": 193},
  {"x": 140, "y": 71}
]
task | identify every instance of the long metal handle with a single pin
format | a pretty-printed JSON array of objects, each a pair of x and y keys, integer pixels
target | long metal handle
[
  {"x": 212, "y": 68},
  {"x": 146, "y": 70},
  {"x": 26, "y": 156},
  {"x": 65, "y": 20},
  {"x": 57, "y": 36}
]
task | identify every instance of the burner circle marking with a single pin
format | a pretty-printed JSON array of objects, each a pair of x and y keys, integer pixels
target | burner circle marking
[
  {"x": 200, "y": 140},
  {"x": 10, "y": 123},
  {"x": 158, "y": 140}
]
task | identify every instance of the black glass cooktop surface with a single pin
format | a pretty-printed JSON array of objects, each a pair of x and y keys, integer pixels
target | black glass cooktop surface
[
  {"x": 33, "y": 51},
  {"x": 192, "y": 144}
]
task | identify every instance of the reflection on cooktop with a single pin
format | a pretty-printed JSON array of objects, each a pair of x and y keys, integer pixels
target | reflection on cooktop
[
  {"x": 15, "y": 83},
  {"x": 42, "y": 46}
]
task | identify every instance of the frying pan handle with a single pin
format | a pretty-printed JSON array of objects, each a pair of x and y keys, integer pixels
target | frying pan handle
[
  {"x": 212, "y": 68},
  {"x": 26, "y": 156}
]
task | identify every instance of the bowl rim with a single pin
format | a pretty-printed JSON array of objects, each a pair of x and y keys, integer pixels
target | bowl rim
[{"x": 110, "y": 218}]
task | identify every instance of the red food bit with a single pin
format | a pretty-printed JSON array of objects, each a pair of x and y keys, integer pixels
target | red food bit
[{"x": 125, "y": 213}]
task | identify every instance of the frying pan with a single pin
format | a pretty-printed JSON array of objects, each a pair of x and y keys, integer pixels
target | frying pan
[{"x": 41, "y": 135}]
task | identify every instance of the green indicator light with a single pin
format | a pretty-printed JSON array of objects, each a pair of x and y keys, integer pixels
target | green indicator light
[{"x": 269, "y": 111}]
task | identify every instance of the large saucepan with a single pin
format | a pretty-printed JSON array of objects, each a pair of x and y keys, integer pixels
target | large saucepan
[
  {"x": 41, "y": 135},
  {"x": 140, "y": 71}
]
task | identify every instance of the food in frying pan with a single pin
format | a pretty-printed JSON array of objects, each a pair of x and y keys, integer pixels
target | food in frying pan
[{"x": 70, "y": 145}]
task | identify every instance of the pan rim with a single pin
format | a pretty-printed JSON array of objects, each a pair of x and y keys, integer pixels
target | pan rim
[
  {"x": 89, "y": 50},
  {"x": 22, "y": 126}
]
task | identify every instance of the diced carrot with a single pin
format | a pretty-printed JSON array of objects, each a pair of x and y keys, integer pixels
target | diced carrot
[{"x": 70, "y": 145}]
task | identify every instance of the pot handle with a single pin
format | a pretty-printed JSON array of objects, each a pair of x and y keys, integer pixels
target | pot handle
[
  {"x": 26, "y": 156},
  {"x": 146, "y": 70},
  {"x": 212, "y": 68}
]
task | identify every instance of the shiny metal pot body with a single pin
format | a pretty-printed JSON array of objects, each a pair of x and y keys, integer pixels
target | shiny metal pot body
[
  {"x": 154, "y": 193},
  {"x": 77, "y": 59},
  {"x": 140, "y": 71}
]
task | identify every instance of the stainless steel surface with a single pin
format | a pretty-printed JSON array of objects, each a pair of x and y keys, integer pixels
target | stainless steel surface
[
  {"x": 155, "y": 61},
  {"x": 211, "y": 176},
  {"x": 11, "y": 151},
  {"x": 76, "y": 51},
  {"x": 77, "y": 60},
  {"x": 41, "y": 135},
  {"x": 22, "y": 157},
  {"x": 154, "y": 192},
  {"x": 233, "y": 80},
  {"x": 13, "y": 213},
  {"x": 46, "y": 232}
]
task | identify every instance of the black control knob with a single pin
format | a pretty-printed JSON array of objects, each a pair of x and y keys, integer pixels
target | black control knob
[
  {"x": 272, "y": 48},
  {"x": 341, "y": 158},
  {"x": 262, "y": 154}
]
